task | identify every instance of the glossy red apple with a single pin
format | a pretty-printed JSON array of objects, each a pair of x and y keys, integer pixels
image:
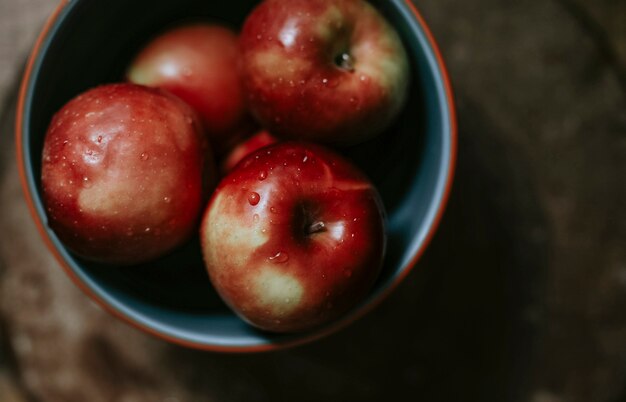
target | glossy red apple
[
  {"x": 330, "y": 71},
  {"x": 259, "y": 140},
  {"x": 200, "y": 64},
  {"x": 122, "y": 173},
  {"x": 293, "y": 237}
]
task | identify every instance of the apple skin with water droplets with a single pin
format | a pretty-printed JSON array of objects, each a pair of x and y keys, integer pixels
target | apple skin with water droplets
[
  {"x": 293, "y": 237},
  {"x": 124, "y": 172},
  {"x": 200, "y": 64},
  {"x": 257, "y": 141},
  {"x": 332, "y": 72}
]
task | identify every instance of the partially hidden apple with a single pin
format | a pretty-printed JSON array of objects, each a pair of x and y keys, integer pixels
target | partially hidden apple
[
  {"x": 259, "y": 140},
  {"x": 293, "y": 237},
  {"x": 200, "y": 64},
  {"x": 123, "y": 171},
  {"x": 329, "y": 71}
]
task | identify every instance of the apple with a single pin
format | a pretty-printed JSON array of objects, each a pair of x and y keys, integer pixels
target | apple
[
  {"x": 293, "y": 237},
  {"x": 329, "y": 71},
  {"x": 259, "y": 140},
  {"x": 122, "y": 173},
  {"x": 200, "y": 64}
]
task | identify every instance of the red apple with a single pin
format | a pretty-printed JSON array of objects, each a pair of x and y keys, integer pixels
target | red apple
[
  {"x": 200, "y": 64},
  {"x": 259, "y": 140},
  {"x": 122, "y": 173},
  {"x": 293, "y": 237},
  {"x": 330, "y": 71}
]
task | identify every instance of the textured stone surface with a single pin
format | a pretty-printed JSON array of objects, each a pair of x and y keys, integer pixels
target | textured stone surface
[
  {"x": 519, "y": 298},
  {"x": 544, "y": 80}
]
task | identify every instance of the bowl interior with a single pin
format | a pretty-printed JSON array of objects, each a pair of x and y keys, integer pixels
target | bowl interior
[{"x": 90, "y": 43}]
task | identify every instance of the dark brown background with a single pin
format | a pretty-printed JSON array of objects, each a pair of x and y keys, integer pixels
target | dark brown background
[{"x": 521, "y": 297}]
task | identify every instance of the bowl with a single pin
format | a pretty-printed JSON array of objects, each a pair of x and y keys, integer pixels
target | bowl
[{"x": 86, "y": 43}]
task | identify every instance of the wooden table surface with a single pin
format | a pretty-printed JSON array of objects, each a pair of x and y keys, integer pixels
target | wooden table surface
[{"x": 521, "y": 296}]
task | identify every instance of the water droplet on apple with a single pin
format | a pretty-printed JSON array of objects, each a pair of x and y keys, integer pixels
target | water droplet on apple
[
  {"x": 86, "y": 182},
  {"x": 255, "y": 218},
  {"x": 262, "y": 175},
  {"x": 325, "y": 81},
  {"x": 279, "y": 258},
  {"x": 272, "y": 209},
  {"x": 144, "y": 156},
  {"x": 167, "y": 200},
  {"x": 254, "y": 198}
]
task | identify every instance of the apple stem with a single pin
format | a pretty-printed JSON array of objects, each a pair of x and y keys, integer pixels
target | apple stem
[
  {"x": 345, "y": 61},
  {"x": 316, "y": 227}
]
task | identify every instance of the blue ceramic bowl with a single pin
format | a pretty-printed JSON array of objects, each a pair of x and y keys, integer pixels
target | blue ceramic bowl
[{"x": 86, "y": 43}]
